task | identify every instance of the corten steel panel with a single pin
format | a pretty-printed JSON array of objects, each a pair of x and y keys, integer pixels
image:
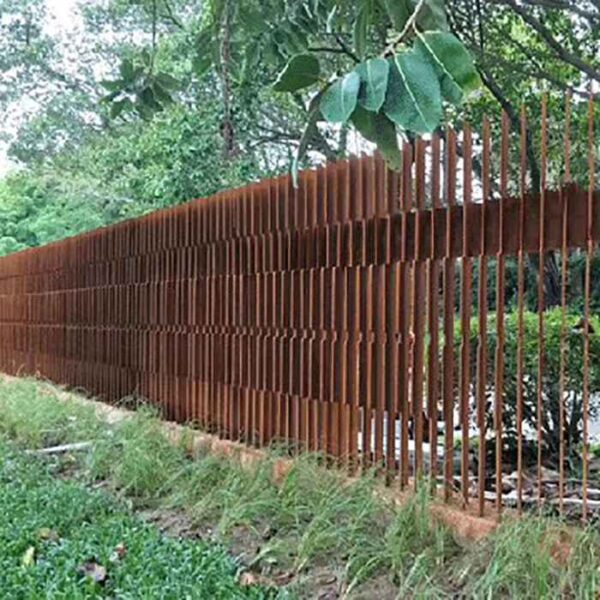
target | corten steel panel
[{"x": 320, "y": 317}]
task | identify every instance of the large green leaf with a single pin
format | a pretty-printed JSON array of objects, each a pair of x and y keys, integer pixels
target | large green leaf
[
  {"x": 148, "y": 98},
  {"x": 359, "y": 30},
  {"x": 161, "y": 95},
  {"x": 127, "y": 70},
  {"x": 377, "y": 128},
  {"x": 413, "y": 98},
  {"x": 399, "y": 12},
  {"x": 310, "y": 131},
  {"x": 302, "y": 70},
  {"x": 432, "y": 15},
  {"x": 119, "y": 106},
  {"x": 167, "y": 81},
  {"x": 201, "y": 63},
  {"x": 339, "y": 100},
  {"x": 452, "y": 62},
  {"x": 252, "y": 18},
  {"x": 374, "y": 80}
]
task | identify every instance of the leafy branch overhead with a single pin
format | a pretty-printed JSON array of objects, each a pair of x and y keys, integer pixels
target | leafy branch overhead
[
  {"x": 398, "y": 89},
  {"x": 139, "y": 88}
]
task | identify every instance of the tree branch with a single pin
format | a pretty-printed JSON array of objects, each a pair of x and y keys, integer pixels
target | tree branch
[
  {"x": 326, "y": 49},
  {"x": 562, "y": 5},
  {"x": 513, "y": 115},
  {"x": 407, "y": 27},
  {"x": 547, "y": 36},
  {"x": 170, "y": 15},
  {"x": 536, "y": 73},
  {"x": 345, "y": 49}
]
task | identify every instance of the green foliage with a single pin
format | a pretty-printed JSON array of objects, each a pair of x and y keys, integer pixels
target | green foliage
[
  {"x": 380, "y": 130},
  {"x": 38, "y": 209},
  {"x": 339, "y": 99},
  {"x": 412, "y": 92},
  {"x": 34, "y": 417},
  {"x": 300, "y": 72},
  {"x": 361, "y": 27},
  {"x": 139, "y": 88},
  {"x": 520, "y": 563},
  {"x": 147, "y": 459},
  {"x": 68, "y": 526},
  {"x": 573, "y": 382},
  {"x": 413, "y": 100},
  {"x": 314, "y": 519},
  {"x": 454, "y": 65},
  {"x": 399, "y": 11},
  {"x": 316, "y": 516},
  {"x": 142, "y": 167},
  {"x": 374, "y": 75},
  {"x": 520, "y": 560}
]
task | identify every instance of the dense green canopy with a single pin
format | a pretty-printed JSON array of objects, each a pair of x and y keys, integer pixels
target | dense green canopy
[{"x": 139, "y": 104}]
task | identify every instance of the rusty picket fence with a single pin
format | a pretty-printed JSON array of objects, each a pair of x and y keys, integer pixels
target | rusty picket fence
[{"x": 350, "y": 315}]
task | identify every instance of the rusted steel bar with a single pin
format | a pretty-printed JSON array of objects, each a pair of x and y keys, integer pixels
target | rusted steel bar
[
  {"x": 391, "y": 375},
  {"x": 354, "y": 344},
  {"x": 500, "y": 292},
  {"x": 586, "y": 305},
  {"x": 482, "y": 341},
  {"x": 465, "y": 317},
  {"x": 433, "y": 374},
  {"x": 540, "y": 292},
  {"x": 367, "y": 323},
  {"x": 419, "y": 312},
  {"x": 563, "y": 304},
  {"x": 521, "y": 307},
  {"x": 392, "y": 363},
  {"x": 405, "y": 315},
  {"x": 449, "y": 283}
]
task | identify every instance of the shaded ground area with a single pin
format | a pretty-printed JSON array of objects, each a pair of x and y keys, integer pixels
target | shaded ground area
[{"x": 311, "y": 534}]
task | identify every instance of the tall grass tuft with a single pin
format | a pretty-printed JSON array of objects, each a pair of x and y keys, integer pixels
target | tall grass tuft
[
  {"x": 137, "y": 457},
  {"x": 34, "y": 417},
  {"x": 514, "y": 562}
]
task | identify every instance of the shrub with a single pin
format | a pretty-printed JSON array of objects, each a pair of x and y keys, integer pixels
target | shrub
[{"x": 573, "y": 398}]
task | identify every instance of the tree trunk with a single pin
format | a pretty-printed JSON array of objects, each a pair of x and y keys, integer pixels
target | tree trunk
[{"x": 227, "y": 129}]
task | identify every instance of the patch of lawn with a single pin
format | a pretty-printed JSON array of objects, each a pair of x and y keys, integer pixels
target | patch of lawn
[{"x": 56, "y": 535}]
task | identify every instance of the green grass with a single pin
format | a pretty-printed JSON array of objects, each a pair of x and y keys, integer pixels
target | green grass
[
  {"x": 315, "y": 521},
  {"x": 61, "y": 525}
]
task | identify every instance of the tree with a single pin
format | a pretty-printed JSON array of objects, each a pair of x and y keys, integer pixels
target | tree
[
  {"x": 522, "y": 49},
  {"x": 191, "y": 77},
  {"x": 404, "y": 65},
  {"x": 390, "y": 64}
]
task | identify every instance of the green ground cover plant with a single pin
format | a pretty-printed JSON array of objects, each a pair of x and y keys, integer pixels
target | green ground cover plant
[
  {"x": 59, "y": 539},
  {"x": 315, "y": 532}
]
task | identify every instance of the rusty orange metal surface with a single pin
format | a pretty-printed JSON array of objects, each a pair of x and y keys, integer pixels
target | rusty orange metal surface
[{"x": 322, "y": 316}]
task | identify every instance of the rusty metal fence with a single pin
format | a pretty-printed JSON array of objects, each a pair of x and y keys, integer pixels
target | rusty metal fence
[{"x": 350, "y": 315}]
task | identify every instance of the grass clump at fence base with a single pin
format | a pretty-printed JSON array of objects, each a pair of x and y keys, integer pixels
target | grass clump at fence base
[
  {"x": 314, "y": 524},
  {"x": 314, "y": 518},
  {"x": 532, "y": 557},
  {"x": 32, "y": 416},
  {"x": 135, "y": 456}
]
